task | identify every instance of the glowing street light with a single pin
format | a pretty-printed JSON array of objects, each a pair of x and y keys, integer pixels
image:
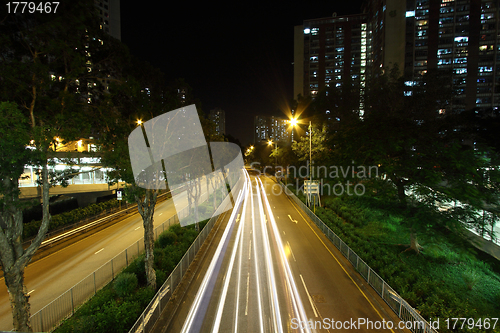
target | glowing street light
[
  {"x": 139, "y": 122},
  {"x": 294, "y": 122},
  {"x": 275, "y": 148}
]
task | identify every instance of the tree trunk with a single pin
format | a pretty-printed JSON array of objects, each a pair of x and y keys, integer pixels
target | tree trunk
[
  {"x": 149, "y": 247},
  {"x": 19, "y": 301},
  {"x": 414, "y": 245},
  {"x": 12, "y": 255},
  {"x": 401, "y": 193},
  {"x": 146, "y": 209}
]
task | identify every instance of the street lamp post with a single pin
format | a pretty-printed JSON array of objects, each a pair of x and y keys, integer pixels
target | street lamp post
[
  {"x": 275, "y": 149},
  {"x": 310, "y": 146}
]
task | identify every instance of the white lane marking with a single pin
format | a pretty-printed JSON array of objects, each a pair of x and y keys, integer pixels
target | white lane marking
[
  {"x": 309, "y": 296},
  {"x": 248, "y": 288},
  {"x": 99, "y": 251},
  {"x": 291, "y": 251},
  {"x": 137, "y": 228},
  {"x": 160, "y": 214},
  {"x": 30, "y": 292},
  {"x": 284, "y": 232},
  {"x": 250, "y": 250},
  {"x": 292, "y": 219}
]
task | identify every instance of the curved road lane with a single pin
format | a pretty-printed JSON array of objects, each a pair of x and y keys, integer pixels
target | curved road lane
[{"x": 276, "y": 273}]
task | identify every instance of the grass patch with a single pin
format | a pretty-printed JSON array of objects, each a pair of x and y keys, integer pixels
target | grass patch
[{"x": 449, "y": 278}]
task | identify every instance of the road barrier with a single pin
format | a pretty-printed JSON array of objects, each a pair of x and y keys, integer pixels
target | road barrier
[
  {"x": 153, "y": 311},
  {"x": 400, "y": 307},
  {"x": 64, "y": 306}
]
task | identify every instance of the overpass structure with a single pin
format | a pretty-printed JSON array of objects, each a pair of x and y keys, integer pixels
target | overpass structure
[{"x": 89, "y": 183}]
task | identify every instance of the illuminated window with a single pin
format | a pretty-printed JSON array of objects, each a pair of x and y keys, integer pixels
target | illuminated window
[
  {"x": 410, "y": 13},
  {"x": 461, "y": 39},
  {"x": 443, "y": 51},
  {"x": 483, "y": 69}
]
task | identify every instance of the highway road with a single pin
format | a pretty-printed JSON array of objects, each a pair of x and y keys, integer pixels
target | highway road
[
  {"x": 51, "y": 276},
  {"x": 272, "y": 270}
]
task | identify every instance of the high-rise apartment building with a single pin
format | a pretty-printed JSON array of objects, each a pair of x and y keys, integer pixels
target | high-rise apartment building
[
  {"x": 460, "y": 36},
  {"x": 328, "y": 51},
  {"x": 271, "y": 128},
  {"x": 218, "y": 117},
  {"x": 109, "y": 12}
]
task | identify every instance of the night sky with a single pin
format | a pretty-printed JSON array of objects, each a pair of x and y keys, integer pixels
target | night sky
[{"x": 237, "y": 57}]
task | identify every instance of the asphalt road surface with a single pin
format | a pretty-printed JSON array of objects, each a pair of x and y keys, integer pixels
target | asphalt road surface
[
  {"x": 51, "y": 276},
  {"x": 272, "y": 270}
]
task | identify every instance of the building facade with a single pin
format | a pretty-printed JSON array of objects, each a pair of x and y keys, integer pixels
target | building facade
[
  {"x": 109, "y": 12},
  {"x": 460, "y": 36},
  {"x": 271, "y": 128},
  {"x": 218, "y": 117},
  {"x": 329, "y": 52}
]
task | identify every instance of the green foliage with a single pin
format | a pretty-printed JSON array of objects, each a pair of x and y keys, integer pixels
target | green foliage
[
  {"x": 446, "y": 280},
  {"x": 67, "y": 218},
  {"x": 167, "y": 238},
  {"x": 125, "y": 284}
]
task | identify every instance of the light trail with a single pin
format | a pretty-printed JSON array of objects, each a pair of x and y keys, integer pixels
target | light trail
[
  {"x": 237, "y": 245},
  {"x": 275, "y": 309},
  {"x": 257, "y": 275},
  {"x": 214, "y": 266},
  {"x": 296, "y": 299}
]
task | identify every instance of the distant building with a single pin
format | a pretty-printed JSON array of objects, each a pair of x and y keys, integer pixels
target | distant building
[
  {"x": 218, "y": 117},
  {"x": 271, "y": 128},
  {"x": 329, "y": 50},
  {"x": 460, "y": 36},
  {"x": 109, "y": 12}
]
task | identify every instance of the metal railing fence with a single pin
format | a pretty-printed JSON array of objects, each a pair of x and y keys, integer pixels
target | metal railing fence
[
  {"x": 51, "y": 315},
  {"x": 152, "y": 313},
  {"x": 400, "y": 307}
]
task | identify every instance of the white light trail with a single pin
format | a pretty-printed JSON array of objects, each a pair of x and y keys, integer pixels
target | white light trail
[
  {"x": 259, "y": 296},
  {"x": 297, "y": 302},
  {"x": 225, "y": 287},
  {"x": 203, "y": 287},
  {"x": 275, "y": 309}
]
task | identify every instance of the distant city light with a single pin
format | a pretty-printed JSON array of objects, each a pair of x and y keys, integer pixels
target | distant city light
[
  {"x": 307, "y": 31},
  {"x": 410, "y": 13}
]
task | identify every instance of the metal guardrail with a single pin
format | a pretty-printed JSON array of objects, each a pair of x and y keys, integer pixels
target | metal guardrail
[
  {"x": 400, "y": 307},
  {"x": 92, "y": 221},
  {"x": 51, "y": 315},
  {"x": 153, "y": 311},
  {"x": 65, "y": 305}
]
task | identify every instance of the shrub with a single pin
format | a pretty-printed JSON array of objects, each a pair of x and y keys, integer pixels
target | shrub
[
  {"x": 125, "y": 284},
  {"x": 137, "y": 267},
  {"x": 166, "y": 238}
]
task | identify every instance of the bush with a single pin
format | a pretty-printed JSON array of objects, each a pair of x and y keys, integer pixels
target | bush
[
  {"x": 137, "y": 267},
  {"x": 167, "y": 238},
  {"x": 125, "y": 284}
]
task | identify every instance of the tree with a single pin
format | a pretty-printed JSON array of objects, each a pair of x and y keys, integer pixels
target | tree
[
  {"x": 407, "y": 133},
  {"x": 314, "y": 146},
  {"x": 43, "y": 61}
]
